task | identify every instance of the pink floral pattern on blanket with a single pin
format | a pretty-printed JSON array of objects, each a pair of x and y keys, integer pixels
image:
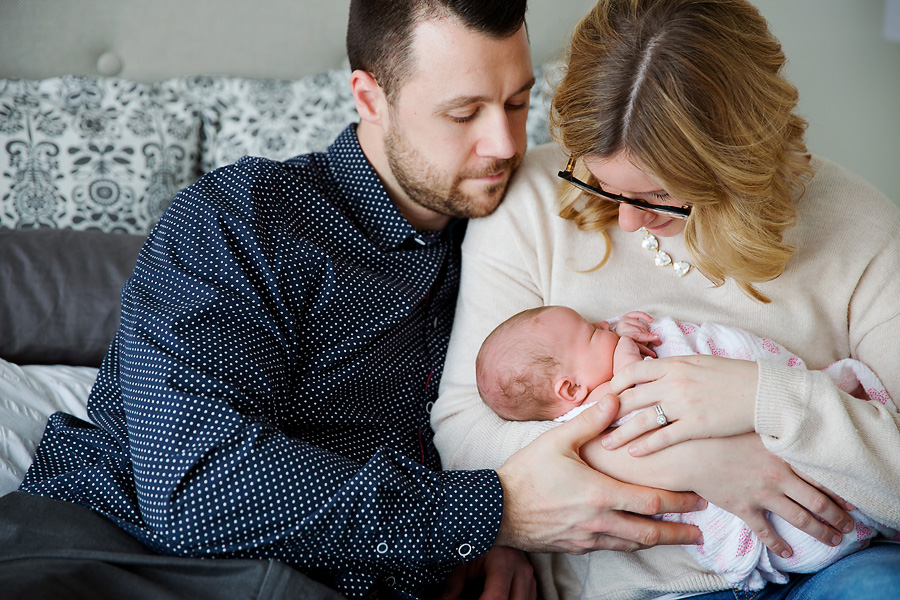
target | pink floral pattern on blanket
[{"x": 730, "y": 548}]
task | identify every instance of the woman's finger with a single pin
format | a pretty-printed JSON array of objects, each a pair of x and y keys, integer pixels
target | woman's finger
[
  {"x": 800, "y": 518},
  {"x": 820, "y": 507},
  {"x": 840, "y": 501},
  {"x": 760, "y": 525},
  {"x": 642, "y": 372},
  {"x": 498, "y": 583},
  {"x": 637, "y": 425},
  {"x": 660, "y": 439},
  {"x": 455, "y": 583}
]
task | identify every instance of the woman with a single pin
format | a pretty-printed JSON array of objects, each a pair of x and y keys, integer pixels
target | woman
[{"x": 681, "y": 104}]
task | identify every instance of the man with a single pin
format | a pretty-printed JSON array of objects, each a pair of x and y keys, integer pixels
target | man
[{"x": 284, "y": 331}]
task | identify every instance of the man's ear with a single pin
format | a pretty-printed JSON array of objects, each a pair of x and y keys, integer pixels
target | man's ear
[
  {"x": 370, "y": 100},
  {"x": 568, "y": 389}
]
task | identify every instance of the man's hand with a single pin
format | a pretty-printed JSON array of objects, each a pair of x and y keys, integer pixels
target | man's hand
[
  {"x": 554, "y": 502},
  {"x": 503, "y": 574}
]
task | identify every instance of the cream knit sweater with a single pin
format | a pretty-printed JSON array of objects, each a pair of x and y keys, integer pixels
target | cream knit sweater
[{"x": 839, "y": 297}]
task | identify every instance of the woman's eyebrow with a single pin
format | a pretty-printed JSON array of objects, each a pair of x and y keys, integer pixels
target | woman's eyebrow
[{"x": 660, "y": 191}]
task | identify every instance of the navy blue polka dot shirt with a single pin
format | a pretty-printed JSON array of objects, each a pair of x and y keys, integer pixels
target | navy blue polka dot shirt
[{"x": 268, "y": 392}]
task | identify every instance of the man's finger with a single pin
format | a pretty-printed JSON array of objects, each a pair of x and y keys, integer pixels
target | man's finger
[
  {"x": 590, "y": 423},
  {"x": 651, "y": 501},
  {"x": 646, "y": 532}
]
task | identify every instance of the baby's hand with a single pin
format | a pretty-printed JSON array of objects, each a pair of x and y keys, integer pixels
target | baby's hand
[{"x": 636, "y": 325}]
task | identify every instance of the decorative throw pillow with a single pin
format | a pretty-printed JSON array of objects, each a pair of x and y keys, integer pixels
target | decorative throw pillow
[
  {"x": 93, "y": 153},
  {"x": 60, "y": 293},
  {"x": 271, "y": 118},
  {"x": 281, "y": 119}
]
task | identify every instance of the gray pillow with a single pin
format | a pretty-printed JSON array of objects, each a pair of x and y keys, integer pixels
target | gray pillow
[{"x": 60, "y": 293}]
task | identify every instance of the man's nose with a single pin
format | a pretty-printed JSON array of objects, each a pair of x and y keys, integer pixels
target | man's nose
[{"x": 496, "y": 137}]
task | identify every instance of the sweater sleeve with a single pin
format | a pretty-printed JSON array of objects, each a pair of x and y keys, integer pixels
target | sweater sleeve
[
  {"x": 850, "y": 446},
  {"x": 503, "y": 272}
]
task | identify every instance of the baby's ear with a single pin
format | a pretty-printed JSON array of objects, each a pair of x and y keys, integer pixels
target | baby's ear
[{"x": 569, "y": 390}]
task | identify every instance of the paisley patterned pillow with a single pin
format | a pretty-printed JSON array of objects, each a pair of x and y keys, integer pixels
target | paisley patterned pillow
[{"x": 92, "y": 153}]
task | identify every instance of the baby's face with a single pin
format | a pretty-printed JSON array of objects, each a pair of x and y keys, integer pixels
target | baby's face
[{"x": 586, "y": 348}]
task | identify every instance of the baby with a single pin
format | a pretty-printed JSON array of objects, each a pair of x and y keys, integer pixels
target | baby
[
  {"x": 543, "y": 363},
  {"x": 550, "y": 363}
]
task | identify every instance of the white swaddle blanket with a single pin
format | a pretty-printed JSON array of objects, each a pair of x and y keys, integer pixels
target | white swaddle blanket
[{"x": 729, "y": 547}]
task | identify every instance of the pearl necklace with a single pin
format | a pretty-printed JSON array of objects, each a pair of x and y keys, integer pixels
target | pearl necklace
[{"x": 662, "y": 259}]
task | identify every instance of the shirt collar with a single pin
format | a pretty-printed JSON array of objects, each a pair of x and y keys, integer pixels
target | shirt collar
[{"x": 365, "y": 200}]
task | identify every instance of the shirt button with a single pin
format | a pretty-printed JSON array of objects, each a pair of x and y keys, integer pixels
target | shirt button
[
  {"x": 464, "y": 550},
  {"x": 428, "y": 407},
  {"x": 436, "y": 322},
  {"x": 390, "y": 581},
  {"x": 420, "y": 241},
  {"x": 381, "y": 548}
]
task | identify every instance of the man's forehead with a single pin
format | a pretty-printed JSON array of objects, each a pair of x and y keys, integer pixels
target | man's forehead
[{"x": 448, "y": 54}]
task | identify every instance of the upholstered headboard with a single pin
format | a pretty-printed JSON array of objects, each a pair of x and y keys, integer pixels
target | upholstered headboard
[{"x": 152, "y": 41}]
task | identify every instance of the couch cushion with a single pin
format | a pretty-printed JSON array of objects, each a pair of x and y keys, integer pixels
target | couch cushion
[
  {"x": 93, "y": 153},
  {"x": 60, "y": 293}
]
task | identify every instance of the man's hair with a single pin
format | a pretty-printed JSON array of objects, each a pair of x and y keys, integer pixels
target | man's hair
[
  {"x": 380, "y": 32},
  {"x": 515, "y": 369},
  {"x": 693, "y": 90}
]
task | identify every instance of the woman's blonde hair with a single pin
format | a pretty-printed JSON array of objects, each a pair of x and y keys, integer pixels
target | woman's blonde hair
[{"x": 692, "y": 91}]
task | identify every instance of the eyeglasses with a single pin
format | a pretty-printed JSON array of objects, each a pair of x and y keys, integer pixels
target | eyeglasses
[{"x": 678, "y": 212}]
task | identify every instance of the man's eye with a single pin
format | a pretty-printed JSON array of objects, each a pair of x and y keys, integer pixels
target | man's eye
[{"x": 465, "y": 119}]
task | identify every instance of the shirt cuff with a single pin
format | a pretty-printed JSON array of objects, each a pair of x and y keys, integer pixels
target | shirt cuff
[{"x": 470, "y": 518}]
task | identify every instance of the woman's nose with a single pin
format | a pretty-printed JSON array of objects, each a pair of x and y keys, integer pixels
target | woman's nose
[{"x": 632, "y": 219}]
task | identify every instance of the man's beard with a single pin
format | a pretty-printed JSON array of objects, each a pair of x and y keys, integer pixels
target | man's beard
[{"x": 428, "y": 187}]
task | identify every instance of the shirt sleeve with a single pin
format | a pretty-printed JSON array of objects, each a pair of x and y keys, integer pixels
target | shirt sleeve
[{"x": 205, "y": 346}]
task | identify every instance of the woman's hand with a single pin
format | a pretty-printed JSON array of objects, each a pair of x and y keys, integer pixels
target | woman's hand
[
  {"x": 739, "y": 475},
  {"x": 700, "y": 396}
]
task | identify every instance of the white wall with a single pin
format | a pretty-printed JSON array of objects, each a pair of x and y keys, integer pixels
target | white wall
[
  {"x": 848, "y": 76},
  {"x": 847, "y": 73},
  {"x": 167, "y": 38}
]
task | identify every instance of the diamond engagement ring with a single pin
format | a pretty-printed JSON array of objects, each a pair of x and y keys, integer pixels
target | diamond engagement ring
[{"x": 661, "y": 416}]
